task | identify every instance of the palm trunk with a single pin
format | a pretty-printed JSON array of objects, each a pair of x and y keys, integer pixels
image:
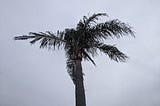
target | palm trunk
[{"x": 79, "y": 86}]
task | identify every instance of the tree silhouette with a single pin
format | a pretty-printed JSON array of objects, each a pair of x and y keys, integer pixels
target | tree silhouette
[{"x": 83, "y": 43}]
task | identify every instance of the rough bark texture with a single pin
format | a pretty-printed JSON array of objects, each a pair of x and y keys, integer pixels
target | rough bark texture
[{"x": 79, "y": 86}]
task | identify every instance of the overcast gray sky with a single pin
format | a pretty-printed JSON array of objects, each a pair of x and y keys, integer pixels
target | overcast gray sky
[{"x": 30, "y": 76}]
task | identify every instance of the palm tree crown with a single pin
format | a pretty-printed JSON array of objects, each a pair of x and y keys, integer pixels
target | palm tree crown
[{"x": 84, "y": 41}]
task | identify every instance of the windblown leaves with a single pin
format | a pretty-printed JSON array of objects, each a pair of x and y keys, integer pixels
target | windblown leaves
[
  {"x": 112, "y": 52},
  {"x": 88, "y": 21},
  {"x": 111, "y": 29},
  {"x": 84, "y": 41},
  {"x": 47, "y": 39}
]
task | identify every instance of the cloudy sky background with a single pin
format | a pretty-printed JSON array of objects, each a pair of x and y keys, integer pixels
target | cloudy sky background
[{"x": 30, "y": 76}]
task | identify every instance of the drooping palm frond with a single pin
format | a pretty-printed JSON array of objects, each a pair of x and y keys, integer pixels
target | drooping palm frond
[
  {"x": 112, "y": 52},
  {"x": 71, "y": 68},
  {"x": 47, "y": 39},
  {"x": 86, "y": 56},
  {"x": 70, "y": 55},
  {"x": 111, "y": 29}
]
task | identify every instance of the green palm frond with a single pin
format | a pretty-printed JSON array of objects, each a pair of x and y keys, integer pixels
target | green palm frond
[
  {"x": 47, "y": 39},
  {"x": 112, "y": 52}
]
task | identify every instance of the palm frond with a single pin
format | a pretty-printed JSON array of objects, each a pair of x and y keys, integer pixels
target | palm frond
[
  {"x": 86, "y": 21},
  {"x": 70, "y": 63},
  {"x": 71, "y": 68},
  {"x": 24, "y": 37},
  {"x": 47, "y": 39},
  {"x": 111, "y": 29},
  {"x": 86, "y": 56},
  {"x": 112, "y": 52},
  {"x": 93, "y": 18}
]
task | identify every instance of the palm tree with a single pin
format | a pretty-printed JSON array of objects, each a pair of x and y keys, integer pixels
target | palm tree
[{"x": 83, "y": 43}]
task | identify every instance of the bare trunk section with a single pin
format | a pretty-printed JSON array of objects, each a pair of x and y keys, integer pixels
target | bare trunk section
[{"x": 79, "y": 86}]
